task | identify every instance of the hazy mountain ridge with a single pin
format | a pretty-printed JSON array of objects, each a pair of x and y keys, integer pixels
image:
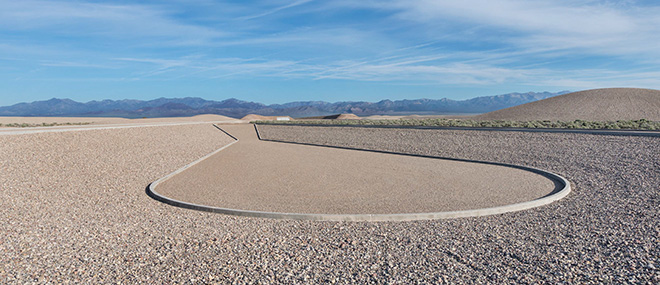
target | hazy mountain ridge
[{"x": 188, "y": 106}]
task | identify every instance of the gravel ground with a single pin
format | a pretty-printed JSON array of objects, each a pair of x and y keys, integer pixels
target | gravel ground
[
  {"x": 74, "y": 209},
  {"x": 606, "y": 230}
]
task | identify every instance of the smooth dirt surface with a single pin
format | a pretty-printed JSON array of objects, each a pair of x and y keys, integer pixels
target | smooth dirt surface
[
  {"x": 609, "y": 104},
  {"x": 288, "y": 178},
  {"x": 73, "y": 208}
]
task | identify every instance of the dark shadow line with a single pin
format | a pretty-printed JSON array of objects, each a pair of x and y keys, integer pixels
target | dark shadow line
[
  {"x": 230, "y": 135},
  {"x": 257, "y": 130},
  {"x": 176, "y": 203}
]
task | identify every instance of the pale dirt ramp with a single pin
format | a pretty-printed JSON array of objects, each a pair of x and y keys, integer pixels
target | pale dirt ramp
[
  {"x": 608, "y": 104},
  {"x": 255, "y": 117}
]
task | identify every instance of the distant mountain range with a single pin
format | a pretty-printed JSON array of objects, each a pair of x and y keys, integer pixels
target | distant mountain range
[{"x": 189, "y": 106}]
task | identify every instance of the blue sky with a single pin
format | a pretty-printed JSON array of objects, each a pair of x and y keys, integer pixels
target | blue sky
[{"x": 279, "y": 51}]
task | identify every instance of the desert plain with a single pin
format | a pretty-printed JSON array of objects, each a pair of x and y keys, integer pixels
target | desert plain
[{"x": 75, "y": 209}]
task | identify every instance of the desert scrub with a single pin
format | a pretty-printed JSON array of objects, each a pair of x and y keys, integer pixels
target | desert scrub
[
  {"x": 27, "y": 125},
  {"x": 641, "y": 124}
]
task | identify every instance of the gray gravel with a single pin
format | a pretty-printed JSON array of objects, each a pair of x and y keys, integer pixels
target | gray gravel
[
  {"x": 74, "y": 209},
  {"x": 605, "y": 231}
]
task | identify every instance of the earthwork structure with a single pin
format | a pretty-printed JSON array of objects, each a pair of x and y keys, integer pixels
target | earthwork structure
[
  {"x": 74, "y": 208},
  {"x": 251, "y": 177}
]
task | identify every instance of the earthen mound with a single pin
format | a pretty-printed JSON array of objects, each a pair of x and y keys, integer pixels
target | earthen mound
[
  {"x": 342, "y": 117},
  {"x": 608, "y": 104},
  {"x": 254, "y": 117},
  {"x": 211, "y": 117}
]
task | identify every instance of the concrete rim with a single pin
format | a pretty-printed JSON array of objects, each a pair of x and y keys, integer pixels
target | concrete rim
[{"x": 552, "y": 197}]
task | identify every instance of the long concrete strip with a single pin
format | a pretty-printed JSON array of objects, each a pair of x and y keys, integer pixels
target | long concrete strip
[{"x": 287, "y": 181}]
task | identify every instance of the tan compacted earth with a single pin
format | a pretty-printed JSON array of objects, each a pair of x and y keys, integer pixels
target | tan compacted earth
[{"x": 279, "y": 177}]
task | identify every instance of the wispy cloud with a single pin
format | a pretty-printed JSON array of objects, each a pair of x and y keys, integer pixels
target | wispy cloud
[
  {"x": 50, "y": 63},
  {"x": 594, "y": 26},
  {"x": 162, "y": 65},
  {"x": 275, "y": 10},
  {"x": 486, "y": 43},
  {"x": 111, "y": 21},
  {"x": 406, "y": 70}
]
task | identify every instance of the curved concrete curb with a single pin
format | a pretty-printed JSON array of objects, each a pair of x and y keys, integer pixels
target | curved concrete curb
[{"x": 561, "y": 191}]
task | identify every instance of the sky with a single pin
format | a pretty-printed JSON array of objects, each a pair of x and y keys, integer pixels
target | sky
[{"x": 279, "y": 51}]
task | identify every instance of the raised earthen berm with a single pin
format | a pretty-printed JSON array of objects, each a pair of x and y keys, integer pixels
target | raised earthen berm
[
  {"x": 254, "y": 117},
  {"x": 607, "y": 104}
]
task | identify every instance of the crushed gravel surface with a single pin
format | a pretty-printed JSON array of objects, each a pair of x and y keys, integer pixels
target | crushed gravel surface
[
  {"x": 606, "y": 230},
  {"x": 73, "y": 208}
]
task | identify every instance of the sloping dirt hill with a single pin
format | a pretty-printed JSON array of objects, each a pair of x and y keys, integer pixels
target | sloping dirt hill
[
  {"x": 333, "y": 117},
  {"x": 609, "y": 104},
  {"x": 342, "y": 117},
  {"x": 254, "y": 117}
]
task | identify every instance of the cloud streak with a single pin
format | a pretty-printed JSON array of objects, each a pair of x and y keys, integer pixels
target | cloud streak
[
  {"x": 593, "y": 26},
  {"x": 110, "y": 21},
  {"x": 275, "y": 10},
  {"x": 407, "y": 70},
  {"x": 496, "y": 44}
]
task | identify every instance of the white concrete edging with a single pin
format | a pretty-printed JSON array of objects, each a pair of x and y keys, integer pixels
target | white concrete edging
[{"x": 552, "y": 197}]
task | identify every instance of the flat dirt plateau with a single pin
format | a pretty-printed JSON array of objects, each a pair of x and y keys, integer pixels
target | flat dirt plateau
[{"x": 74, "y": 208}]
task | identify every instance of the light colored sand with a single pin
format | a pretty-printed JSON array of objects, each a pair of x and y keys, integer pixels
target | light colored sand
[
  {"x": 279, "y": 177},
  {"x": 609, "y": 104}
]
